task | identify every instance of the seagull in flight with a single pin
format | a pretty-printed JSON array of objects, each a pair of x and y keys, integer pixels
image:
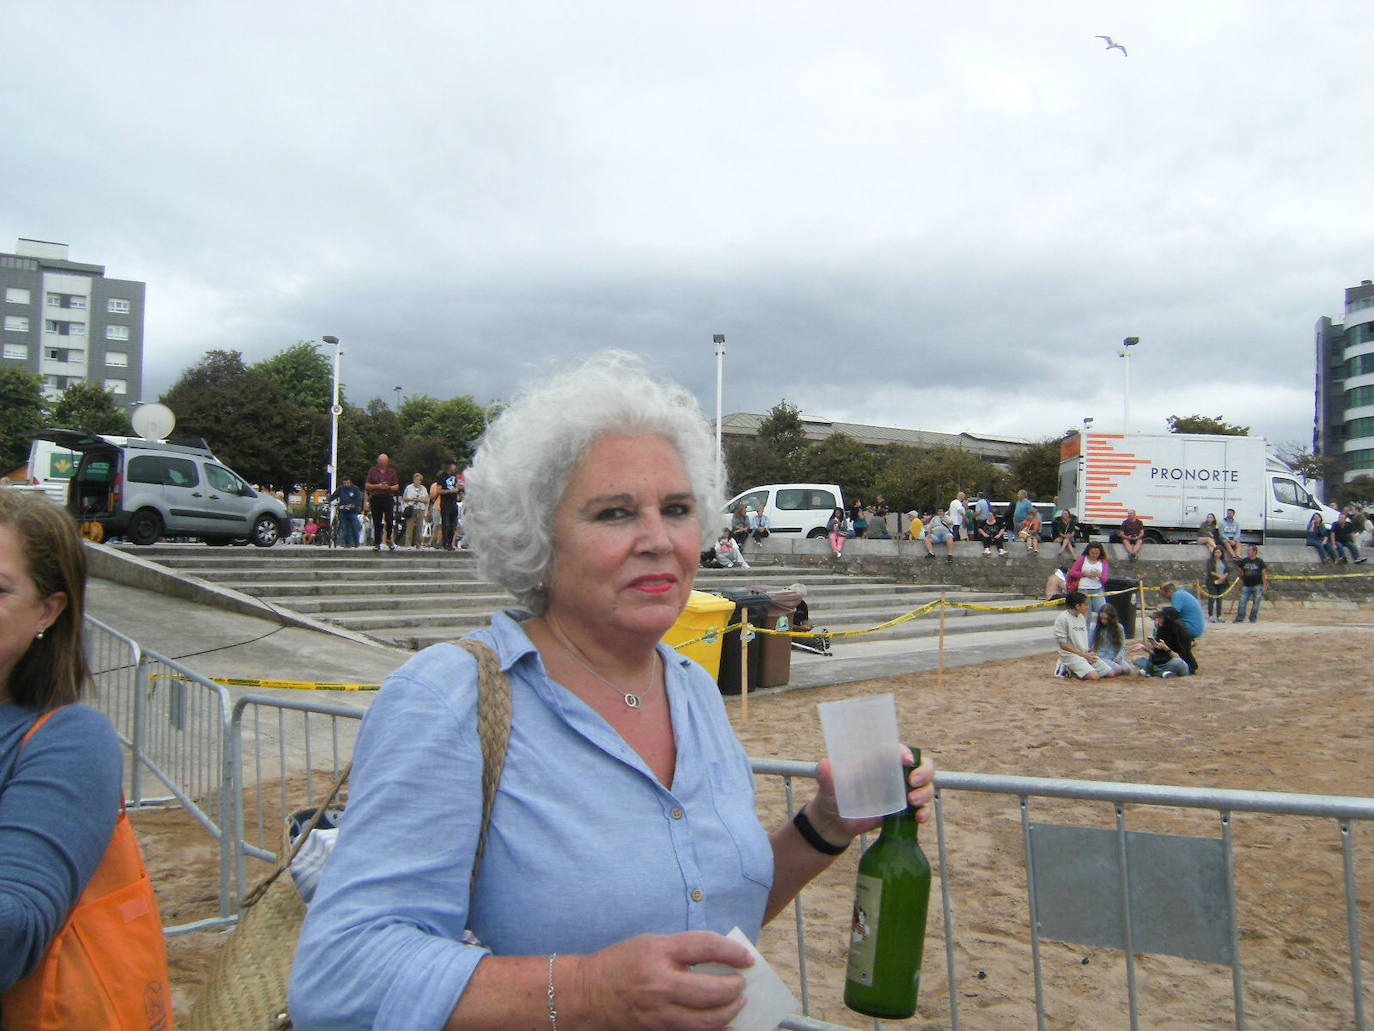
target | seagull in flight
[{"x": 1111, "y": 45}]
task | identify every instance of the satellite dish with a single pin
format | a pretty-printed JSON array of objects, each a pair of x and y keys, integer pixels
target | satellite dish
[{"x": 153, "y": 421}]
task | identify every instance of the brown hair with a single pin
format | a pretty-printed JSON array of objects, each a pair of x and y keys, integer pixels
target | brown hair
[{"x": 53, "y": 671}]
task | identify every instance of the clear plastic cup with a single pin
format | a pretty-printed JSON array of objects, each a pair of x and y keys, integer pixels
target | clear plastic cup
[{"x": 865, "y": 754}]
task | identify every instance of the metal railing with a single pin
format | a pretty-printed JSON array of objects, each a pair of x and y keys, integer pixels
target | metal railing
[
  {"x": 175, "y": 724},
  {"x": 273, "y": 740},
  {"x": 1204, "y": 892}
]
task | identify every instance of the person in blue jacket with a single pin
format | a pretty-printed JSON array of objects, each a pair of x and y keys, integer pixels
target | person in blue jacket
[
  {"x": 350, "y": 500},
  {"x": 1190, "y": 611}
]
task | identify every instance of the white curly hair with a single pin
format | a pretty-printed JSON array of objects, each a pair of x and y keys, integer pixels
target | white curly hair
[{"x": 521, "y": 468}]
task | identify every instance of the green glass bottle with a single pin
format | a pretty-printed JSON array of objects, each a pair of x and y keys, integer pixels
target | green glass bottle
[{"x": 888, "y": 932}]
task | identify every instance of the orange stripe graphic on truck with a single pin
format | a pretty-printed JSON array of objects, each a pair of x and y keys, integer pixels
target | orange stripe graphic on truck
[{"x": 1106, "y": 467}]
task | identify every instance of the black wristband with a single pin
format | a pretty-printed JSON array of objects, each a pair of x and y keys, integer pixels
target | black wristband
[{"x": 813, "y": 837}]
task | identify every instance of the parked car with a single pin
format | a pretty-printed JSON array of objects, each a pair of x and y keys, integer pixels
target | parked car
[
  {"x": 793, "y": 509},
  {"x": 142, "y": 490}
]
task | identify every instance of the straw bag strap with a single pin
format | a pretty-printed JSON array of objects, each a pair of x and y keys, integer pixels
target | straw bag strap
[
  {"x": 493, "y": 733},
  {"x": 493, "y": 729}
]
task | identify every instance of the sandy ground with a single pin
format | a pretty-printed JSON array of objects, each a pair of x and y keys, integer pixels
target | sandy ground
[{"x": 1281, "y": 705}]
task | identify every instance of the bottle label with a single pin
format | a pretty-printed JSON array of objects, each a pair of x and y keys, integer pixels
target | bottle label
[{"x": 863, "y": 931}]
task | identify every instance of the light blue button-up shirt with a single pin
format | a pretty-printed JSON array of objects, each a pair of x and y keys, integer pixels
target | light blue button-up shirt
[{"x": 586, "y": 847}]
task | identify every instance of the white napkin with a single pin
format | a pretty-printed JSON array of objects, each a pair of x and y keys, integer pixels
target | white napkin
[{"x": 767, "y": 1000}]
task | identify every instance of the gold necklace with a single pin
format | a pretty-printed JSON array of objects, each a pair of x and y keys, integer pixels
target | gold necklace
[{"x": 631, "y": 700}]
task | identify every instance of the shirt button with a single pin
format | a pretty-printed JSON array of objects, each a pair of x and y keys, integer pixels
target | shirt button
[
  {"x": 697, "y": 896},
  {"x": 676, "y": 814}
]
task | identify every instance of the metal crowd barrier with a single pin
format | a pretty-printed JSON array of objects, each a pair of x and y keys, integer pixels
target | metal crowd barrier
[
  {"x": 175, "y": 723},
  {"x": 1132, "y": 891},
  {"x": 272, "y": 741}
]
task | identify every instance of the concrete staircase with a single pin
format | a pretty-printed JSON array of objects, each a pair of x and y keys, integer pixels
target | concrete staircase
[{"x": 415, "y": 598}]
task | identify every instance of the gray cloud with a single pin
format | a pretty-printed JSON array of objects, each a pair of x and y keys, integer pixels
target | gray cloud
[{"x": 923, "y": 216}]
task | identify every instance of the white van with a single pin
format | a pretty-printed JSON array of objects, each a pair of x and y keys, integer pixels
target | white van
[
  {"x": 51, "y": 467},
  {"x": 793, "y": 509}
]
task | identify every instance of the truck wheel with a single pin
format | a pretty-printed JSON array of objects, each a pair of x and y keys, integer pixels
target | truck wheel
[
  {"x": 145, "y": 527},
  {"x": 266, "y": 532},
  {"x": 1153, "y": 537},
  {"x": 816, "y": 531}
]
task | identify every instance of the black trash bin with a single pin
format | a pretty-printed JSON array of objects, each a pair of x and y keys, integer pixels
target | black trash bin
[
  {"x": 1124, "y": 603},
  {"x": 776, "y": 665},
  {"x": 752, "y": 606}
]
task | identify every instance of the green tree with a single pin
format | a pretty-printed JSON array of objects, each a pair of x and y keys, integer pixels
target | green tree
[
  {"x": 304, "y": 377},
  {"x": 22, "y": 410},
  {"x": 1204, "y": 424},
  {"x": 896, "y": 478},
  {"x": 942, "y": 472},
  {"x": 304, "y": 381},
  {"x": 457, "y": 421},
  {"x": 239, "y": 413},
  {"x": 89, "y": 407},
  {"x": 1036, "y": 469},
  {"x": 841, "y": 459},
  {"x": 1309, "y": 464},
  {"x": 1357, "y": 490},
  {"x": 781, "y": 431},
  {"x": 749, "y": 463}
]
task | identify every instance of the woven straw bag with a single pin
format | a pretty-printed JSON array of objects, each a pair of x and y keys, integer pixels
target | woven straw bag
[{"x": 246, "y": 989}]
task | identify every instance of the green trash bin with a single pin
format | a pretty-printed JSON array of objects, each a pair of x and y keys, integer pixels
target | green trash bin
[{"x": 1124, "y": 603}]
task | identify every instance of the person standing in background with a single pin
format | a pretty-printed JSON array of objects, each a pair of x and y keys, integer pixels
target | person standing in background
[{"x": 382, "y": 487}]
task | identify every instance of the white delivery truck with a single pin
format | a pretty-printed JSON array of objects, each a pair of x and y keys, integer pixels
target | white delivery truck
[{"x": 1173, "y": 480}]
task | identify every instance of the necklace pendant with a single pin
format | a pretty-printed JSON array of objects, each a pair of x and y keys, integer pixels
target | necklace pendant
[{"x": 632, "y": 700}]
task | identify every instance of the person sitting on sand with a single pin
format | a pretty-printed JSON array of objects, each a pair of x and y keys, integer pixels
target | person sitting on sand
[
  {"x": 1169, "y": 653},
  {"x": 1108, "y": 639},
  {"x": 1188, "y": 607},
  {"x": 1076, "y": 657}
]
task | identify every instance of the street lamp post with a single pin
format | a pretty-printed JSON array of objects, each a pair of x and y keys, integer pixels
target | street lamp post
[
  {"x": 335, "y": 410},
  {"x": 398, "y": 399},
  {"x": 719, "y": 340},
  {"x": 1126, "y": 346}
]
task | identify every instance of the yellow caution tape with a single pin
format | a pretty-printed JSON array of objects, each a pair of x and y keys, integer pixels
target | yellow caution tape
[{"x": 293, "y": 685}]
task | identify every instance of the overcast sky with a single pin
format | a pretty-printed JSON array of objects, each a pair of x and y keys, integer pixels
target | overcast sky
[{"x": 936, "y": 216}]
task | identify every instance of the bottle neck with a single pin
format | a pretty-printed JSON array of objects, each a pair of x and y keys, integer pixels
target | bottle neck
[{"x": 901, "y": 825}]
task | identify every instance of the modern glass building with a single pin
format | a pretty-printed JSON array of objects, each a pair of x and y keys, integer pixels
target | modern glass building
[
  {"x": 69, "y": 323},
  {"x": 1344, "y": 425}
]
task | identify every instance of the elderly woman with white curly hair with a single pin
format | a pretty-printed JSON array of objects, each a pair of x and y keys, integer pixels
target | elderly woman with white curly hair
[{"x": 623, "y": 841}]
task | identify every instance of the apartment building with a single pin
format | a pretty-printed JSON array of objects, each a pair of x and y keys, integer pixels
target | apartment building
[
  {"x": 69, "y": 323},
  {"x": 1344, "y": 423}
]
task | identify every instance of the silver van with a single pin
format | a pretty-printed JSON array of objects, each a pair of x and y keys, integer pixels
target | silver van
[
  {"x": 793, "y": 509},
  {"x": 142, "y": 490}
]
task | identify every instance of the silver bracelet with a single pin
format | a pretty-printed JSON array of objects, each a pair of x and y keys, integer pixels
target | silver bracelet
[{"x": 553, "y": 1009}]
